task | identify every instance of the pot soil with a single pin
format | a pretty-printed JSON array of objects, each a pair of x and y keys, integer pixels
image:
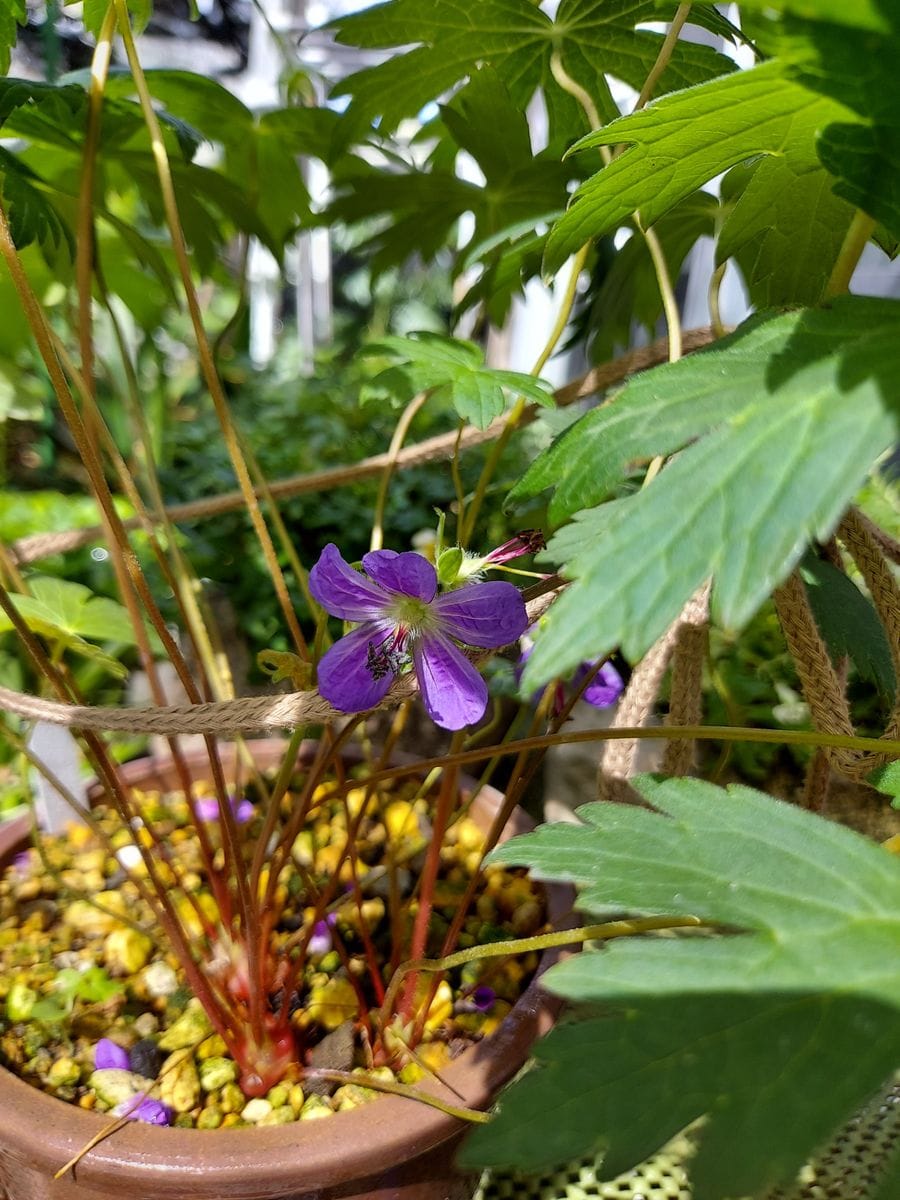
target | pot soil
[{"x": 390, "y": 1149}]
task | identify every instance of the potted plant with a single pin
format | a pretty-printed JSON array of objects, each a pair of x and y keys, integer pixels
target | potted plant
[{"x": 729, "y": 483}]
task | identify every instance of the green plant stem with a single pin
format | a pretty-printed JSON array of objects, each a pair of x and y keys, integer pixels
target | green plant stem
[
  {"x": 715, "y": 286},
  {"x": 665, "y": 54},
  {"x": 861, "y": 229},
  {"x": 398, "y": 1089},
  {"x": 84, "y": 246},
  {"x": 204, "y": 350},
  {"x": 401, "y": 429},
  {"x": 515, "y": 413},
  {"x": 889, "y": 747},
  {"x": 540, "y": 941}
]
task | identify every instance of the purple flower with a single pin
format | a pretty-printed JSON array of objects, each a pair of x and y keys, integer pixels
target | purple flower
[
  {"x": 403, "y": 618},
  {"x": 108, "y": 1053},
  {"x": 483, "y": 997},
  {"x": 142, "y": 1108},
  {"x": 207, "y": 809},
  {"x": 603, "y": 690},
  {"x": 320, "y": 942}
]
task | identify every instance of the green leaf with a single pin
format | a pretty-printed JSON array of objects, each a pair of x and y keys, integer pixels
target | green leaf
[
  {"x": 809, "y": 406},
  {"x": 887, "y": 779},
  {"x": 12, "y": 14},
  {"x": 32, "y": 216},
  {"x": 515, "y": 38},
  {"x": 68, "y": 613},
  {"x": 662, "y": 410},
  {"x": 456, "y": 369},
  {"x": 94, "y": 11},
  {"x": 629, "y": 292},
  {"x": 787, "y": 226},
  {"x": 799, "y": 999},
  {"x": 860, "y": 14},
  {"x": 683, "y": 141},
  {"x": 848, "y": 622},
  {"x": 857, "y": 68}
]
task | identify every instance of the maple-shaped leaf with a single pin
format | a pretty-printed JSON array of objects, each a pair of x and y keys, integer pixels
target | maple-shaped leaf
[
  {"x": 777, "y": 428},
  {"x": 69, "y": 615},
  {"x": 774, "y": 1029},
  {"x": 455, "y": 369},
  {"x": 450, "y": 38}
]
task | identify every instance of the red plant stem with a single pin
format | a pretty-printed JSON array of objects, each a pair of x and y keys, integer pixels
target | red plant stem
[
  {"x": 446, "y": 799},
  {"x": 371, "y": 956},
  {"x": 362, "y": 1000}
]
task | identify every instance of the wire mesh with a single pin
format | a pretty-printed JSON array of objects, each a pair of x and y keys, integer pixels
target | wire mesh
[{"x": 850, "y": 1168}]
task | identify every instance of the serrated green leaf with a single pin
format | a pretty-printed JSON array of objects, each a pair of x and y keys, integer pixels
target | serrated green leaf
[
  {"x": 856, "y": 68},
  {"x": 683, "y": 141},
  {"x": 848, "y": 622},
  {"x": 516, "y": 39},
  {"x": 779, "y": 465},
  {"x": 887, "y": 780},
  {"x": 776, "y": 1073},
  {"x": 456, "y": 370},
  {"x": 32, "y": 216},
  {"x": 69, "y": 614},
  {"x": 787, "y": 226},
  {"x": 662, "y": 410},
  {"x": 799, "y": 999}
]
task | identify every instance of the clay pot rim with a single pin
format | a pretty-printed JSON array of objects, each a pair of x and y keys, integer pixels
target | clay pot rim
[{"x": 47, "y": 1131}]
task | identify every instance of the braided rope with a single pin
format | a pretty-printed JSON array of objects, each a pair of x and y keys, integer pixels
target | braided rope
[
  {"x": 41, "y": 545},
  {"x": 686, "y": 699},
  {"x": 618, "y": 756},
  {"x": 819, "y": 679},
  {"x": 249, "y": 713}
]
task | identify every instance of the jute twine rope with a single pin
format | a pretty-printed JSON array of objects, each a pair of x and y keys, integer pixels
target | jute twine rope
[
  {"x": 686, "y": 638},
  {"x": 245, "y": 715},
  {"x": 821, "y": 681},
  {"x": 41, "y": 545}
]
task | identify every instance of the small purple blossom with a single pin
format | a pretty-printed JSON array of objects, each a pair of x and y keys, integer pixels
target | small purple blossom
[
  {"x": 321, "y": 941},
  {"x": 207, "y": 809},
  {"x": 21, "y": 863},
  {"x": 142, "y": 1108},
  {"x": 109, "y": 1054},
  {"x": 405, "y": 622},
  {"x": 603, "y": 690},
  {"x": 484, "y": 997}
]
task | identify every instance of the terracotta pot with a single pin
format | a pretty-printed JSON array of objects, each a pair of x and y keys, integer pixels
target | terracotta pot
[{"x": 391, "y": 1149}]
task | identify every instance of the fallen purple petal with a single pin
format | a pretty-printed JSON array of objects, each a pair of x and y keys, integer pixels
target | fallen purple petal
[
  {"x": 142, "y": 1108},
  {"x": 484, "y": 997},
  {"x": 605, "y": 688},
  {"x": 109, "y": 1054},
  {"x": 321, "y": 941}
]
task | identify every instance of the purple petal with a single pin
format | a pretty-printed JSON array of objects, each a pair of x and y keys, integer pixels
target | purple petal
[
  {"x": 243, "y": 811},
  {"x": 408, "y": 573},
  {"x": 320, "y": 942},
  {"x": 142, "y": 1108},
  {"x": 344, "y": 592},
  {"x": 483, "y": 614},
  {"x": 206, "y": 808},
  {"x": 108, "y": 1053},
  {"x": 483, "y": 997},
  {"x": 605, "y": 688},
  {"x": 455, "y": 695},
  {"x": 345, "y": 679}
]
